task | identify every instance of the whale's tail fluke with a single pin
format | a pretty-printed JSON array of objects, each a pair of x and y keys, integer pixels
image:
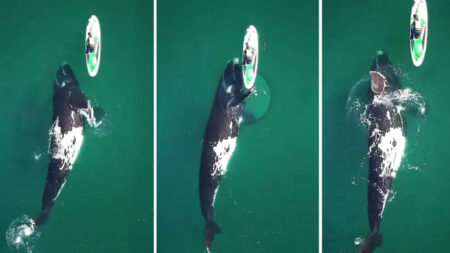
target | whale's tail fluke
[
  {"x": 211, "y": 229},
  {"x": 373, "y": 241}
]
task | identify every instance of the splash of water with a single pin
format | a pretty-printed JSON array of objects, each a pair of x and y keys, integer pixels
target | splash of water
[
  {"x": 105, "y": 128},
  {"x": 258, "y": 103},
  {"x": 392, "y": 195},
  {"x": 89, "y": 115},
  {"x": 406, "y": 101},
  {"x": 357, "y": 101},
  {"x": 403, "y": 75},
  {"x": 359, "y": 240},
  {"x": 37, "y": 156},
  {"x": 22, "y": 234},
  {"x": 98, "y": 119}
]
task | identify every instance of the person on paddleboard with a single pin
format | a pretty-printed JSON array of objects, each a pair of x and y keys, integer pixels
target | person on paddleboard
[
  {"x": 416, "y": 27},
  {"x": 249, "y": 55},
  {"x": 90, "y": 43},
  {"x": 91, "y": 46}
]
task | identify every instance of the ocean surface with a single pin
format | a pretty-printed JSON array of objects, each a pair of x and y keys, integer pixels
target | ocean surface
[
  {"x": 268, "y": 199},
  {"x": 417, "y": 214},
  {"x": 107, "y": 202}
]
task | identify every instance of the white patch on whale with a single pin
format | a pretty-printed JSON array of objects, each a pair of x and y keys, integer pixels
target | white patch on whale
[
  {"x": 385, "y": 197},
  {"x": 59, "y": 191},
  {"x": 392, "y": 147},
  {"x": 223, "y": 149},
  {"x": 65, "y": 146},
  {"x": 391, "y": 144},
  {"x": 215, "y": 194}
]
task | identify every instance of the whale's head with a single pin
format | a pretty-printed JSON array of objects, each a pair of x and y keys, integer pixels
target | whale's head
[
  {"x": 65, "y": 77},
  {"x": 382, "y": 74},
  {"x": 232, "y": 80}
]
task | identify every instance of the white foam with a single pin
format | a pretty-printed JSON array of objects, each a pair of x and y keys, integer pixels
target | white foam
[
  {"x": 18, "y": 240},
  {"x": 28, "y": 231},
  {"x": 412, "y": 167},
  {"x": 22, "y": 234},
  {"x": 36, "y": 156},
  {"x": 403, "y": 98},
  {"x": 392, "y": 196},
  {"x": 223, "y": 149},
  {"x": 89, "y": 115},
  {"x": 359, "y": 240}
]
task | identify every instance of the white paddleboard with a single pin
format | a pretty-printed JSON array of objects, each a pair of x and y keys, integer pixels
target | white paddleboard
[
  {"x": 418, "y": 45},
  {"x": 93, "y": 46},
  {"x": 250, "y": 55}
]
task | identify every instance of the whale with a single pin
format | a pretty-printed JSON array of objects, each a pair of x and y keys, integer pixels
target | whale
[
  {"x": 70, "y": 107},
  {"x": 219, "y": 141},
  {"x": 386, "y": 141}
]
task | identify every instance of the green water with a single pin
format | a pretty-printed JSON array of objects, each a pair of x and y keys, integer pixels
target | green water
[
  {"x": 107, "y": 202},
  {"x": 268, "y": 199},
  {"x": 416, "y": 220}
]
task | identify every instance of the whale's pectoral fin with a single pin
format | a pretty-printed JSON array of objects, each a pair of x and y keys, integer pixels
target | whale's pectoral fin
[
  {"x": 241, "y": 99},
  {"x": 84, "y": 107},
  {"x": 251, "y": 91},
  {"x": 248, "y": 94},
  {"x": 78, "y": 100}
]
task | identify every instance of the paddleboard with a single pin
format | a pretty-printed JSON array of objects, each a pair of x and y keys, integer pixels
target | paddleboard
[
  {"x": 93, "y": 46},
  {"x": 250, "y": 57},
  {"x": 418, "y": 44}
]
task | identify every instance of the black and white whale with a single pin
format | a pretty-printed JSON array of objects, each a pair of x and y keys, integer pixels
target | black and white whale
[
  {"x": 219, "y": 141},
  {"x": 70, "y": 106},
  {"x": 387, "y": 141},
  {"x": 66, "y": 135}
]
